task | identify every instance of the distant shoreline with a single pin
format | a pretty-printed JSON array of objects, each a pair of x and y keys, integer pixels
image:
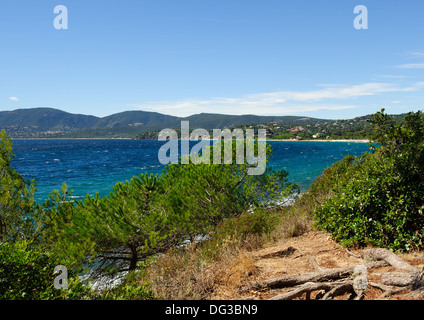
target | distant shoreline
[
  {"x": 324, "y": 140},
  {"x": 45, "y": 138},
  {"x": 282, "y": 140}
]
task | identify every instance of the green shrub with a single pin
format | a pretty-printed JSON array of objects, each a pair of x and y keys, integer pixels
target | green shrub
[
  {"x": 27, "y": 274},
  {"x": 379, "y": 200},
  {"x": 17, "y": 205}
]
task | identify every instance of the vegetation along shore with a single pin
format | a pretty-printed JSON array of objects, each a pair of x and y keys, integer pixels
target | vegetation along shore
[{"x": 214, "y": 232}]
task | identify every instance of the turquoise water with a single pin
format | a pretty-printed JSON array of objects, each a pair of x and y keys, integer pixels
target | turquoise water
[{"x": 95, "y": 165}]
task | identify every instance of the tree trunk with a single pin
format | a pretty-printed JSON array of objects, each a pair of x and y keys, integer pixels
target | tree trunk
[{"x": 133, "y": 257}]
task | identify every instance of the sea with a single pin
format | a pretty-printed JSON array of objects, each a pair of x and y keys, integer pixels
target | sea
[{"x": 90, "y": 166}]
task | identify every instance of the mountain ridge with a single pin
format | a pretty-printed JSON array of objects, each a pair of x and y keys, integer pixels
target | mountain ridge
[{"x": 52, "y": 122}]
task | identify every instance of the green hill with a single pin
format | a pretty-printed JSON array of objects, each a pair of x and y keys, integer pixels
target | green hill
[
  {"x": 42, "y": 119},
  {"x": 219, "y": 121},
  {"x": 142, "y": 119},
  {"x": 49, "y": 122},
  {"x": 54, "y": 123}
]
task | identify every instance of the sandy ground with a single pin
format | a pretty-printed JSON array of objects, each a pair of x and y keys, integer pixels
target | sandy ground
[{"x": 261, "y": 265}]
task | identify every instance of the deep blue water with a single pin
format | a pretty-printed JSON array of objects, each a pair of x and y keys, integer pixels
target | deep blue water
[{"x": 95, "y": 165}]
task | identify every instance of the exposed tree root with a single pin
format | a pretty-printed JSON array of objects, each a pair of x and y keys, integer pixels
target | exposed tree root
[
  {"x": 352, "y": 280},
  {"x": 331, "y": 288},
  {"x": 388, "y": 256}
]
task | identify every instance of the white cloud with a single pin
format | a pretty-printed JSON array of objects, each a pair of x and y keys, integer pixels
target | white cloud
[
  {"x": 278, "y": 102},
  {"x": 412, "y": 66},
  {"x": 394, "y": 76},
  {"x": 418, "y": 53},
  {"x": 14, "y": 99}
]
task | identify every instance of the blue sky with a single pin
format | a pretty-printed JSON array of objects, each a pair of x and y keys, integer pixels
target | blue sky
[{"x": 267, "y": 57}]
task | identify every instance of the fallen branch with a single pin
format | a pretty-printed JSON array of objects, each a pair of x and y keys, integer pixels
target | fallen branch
[{"x": 282, "y": 253}]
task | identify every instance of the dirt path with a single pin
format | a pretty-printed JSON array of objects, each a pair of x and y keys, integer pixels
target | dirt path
[{"x": 277, "y": 260}]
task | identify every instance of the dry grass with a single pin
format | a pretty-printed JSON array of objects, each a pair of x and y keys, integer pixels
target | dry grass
[
  {"x": 292, "y": 224},
  {"x": 187, "y": 274},
  {"x": 180, "y": 275}
]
